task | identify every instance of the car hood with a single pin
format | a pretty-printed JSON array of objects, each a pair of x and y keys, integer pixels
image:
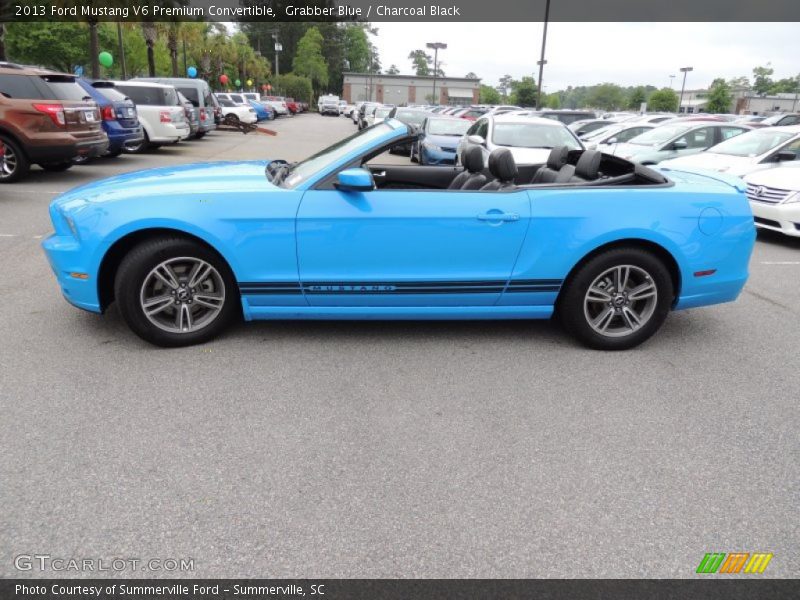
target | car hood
[
  {"x": 447, "y": 141},
  {"x": 182, "y": 180},
  {"x": 786, "y": 177},
  {"x": 735, "y": 165}
]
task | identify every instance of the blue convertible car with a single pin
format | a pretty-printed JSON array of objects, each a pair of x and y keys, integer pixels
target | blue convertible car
[{"x": 609, "y": 246}]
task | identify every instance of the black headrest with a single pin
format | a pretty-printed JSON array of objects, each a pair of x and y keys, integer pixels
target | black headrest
[
  {"x": 588, "y": 166},
  {"x": 558, "y": 157},
  {"x": 502, "y": 165},
  {"x": 472, "y": 159}
]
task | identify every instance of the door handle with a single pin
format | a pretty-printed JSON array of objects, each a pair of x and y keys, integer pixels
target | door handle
[
  {"x": 498, "y": 216},
  {"x": 379, "y": 174}
]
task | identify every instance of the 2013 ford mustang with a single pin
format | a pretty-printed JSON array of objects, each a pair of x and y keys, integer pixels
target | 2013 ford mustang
[{"x": 607, "y": 245}]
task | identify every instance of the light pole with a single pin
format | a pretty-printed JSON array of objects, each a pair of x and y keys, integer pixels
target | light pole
[
  {"x": 684, "y": 70},
  {"x": 278, "y": 48},
  {"x": 542, "y": 62},
  {"x": 671, "y": 81},
  {"x": 435, "y": 46}
]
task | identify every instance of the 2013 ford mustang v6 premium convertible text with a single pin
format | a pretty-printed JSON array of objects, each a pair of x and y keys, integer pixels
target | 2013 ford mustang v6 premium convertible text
[{"x": 609, "y": 246}]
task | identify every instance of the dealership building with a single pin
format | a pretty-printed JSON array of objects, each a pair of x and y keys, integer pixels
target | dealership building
[
  {"x": 745, "y": 102},
  {"x": 410, "y": 89}
]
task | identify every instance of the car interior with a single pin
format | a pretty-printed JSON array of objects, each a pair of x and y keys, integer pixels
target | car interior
[{"x": 564, "y": 167}]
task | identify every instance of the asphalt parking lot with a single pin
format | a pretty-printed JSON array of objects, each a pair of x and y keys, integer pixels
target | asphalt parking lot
[{"x": 342, "y": 449}]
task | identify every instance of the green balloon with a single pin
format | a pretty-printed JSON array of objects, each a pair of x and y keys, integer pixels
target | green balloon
[
  {"x": 106, "y": 59},
  {"x": 238, "y": 83}
]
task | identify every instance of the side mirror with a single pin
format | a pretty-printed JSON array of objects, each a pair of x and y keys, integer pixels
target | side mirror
[
  {"x": 613, "y": 140},
  {"x": 477, "y": 140},
  {"x": 785, "y": 155},
  {"x": 680, "y": 145},
  {"x": 354, "y": 180}
]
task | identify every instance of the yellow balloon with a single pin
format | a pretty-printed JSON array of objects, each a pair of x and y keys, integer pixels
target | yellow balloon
[{"x": 249, "y": 82}]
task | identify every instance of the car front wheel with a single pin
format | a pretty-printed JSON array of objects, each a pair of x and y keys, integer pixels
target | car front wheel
[
  {"x": 617, "y": 300},
  {"x": 175, "y": 292}
]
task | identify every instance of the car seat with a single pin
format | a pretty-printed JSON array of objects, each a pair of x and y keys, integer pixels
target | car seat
[{"x": 472, "y": 177}]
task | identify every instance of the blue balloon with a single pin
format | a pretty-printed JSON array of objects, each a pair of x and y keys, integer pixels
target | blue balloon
[{"x": 192, "y": 72}]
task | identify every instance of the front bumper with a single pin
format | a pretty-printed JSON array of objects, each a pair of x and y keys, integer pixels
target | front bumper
[
  {"x": 783, "y": 218},
  {"x": 65, "y": 255},
  {"x": 437, "y": 157}
]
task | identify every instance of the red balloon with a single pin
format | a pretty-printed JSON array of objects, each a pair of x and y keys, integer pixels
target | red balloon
[
  {"x": 269, "y": 87},
  {"x": 264, "y": 87},
  {"x": 223, "y": 79}
]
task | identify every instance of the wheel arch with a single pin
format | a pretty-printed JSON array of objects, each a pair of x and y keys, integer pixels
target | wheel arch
[
  {"x": 112, "y": 258},
  {"x": 657, "y": 249},
  {"x": 15, "y": 138}
]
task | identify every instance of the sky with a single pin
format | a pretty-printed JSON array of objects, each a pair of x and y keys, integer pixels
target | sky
[{"x": 590, "y": 53}]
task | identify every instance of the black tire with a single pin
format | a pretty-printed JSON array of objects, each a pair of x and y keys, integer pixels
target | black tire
[
  {"x": 113, "y": 153},
  {"x": 57, "y": 167},
  {"x": 13, "y": 166},
  {"x": 140, "y": 147},
  {"x": 133, "y": 274},
  {"x": 575, "y": 311},
  {"x": 200, "y": 134}
]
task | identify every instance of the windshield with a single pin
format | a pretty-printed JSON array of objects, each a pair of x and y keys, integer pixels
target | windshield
[
  {"x": 237, "y": 98},
  {"x": 752, "y": 143},
  {"x": 65, "y": 88},
  {"x": 300, "y": 172},
  {"x": 414, "y": 117},
  {"x": 533, "y": 135},
  {"x": 456, "y": 127},
  {"x": 112, "y": 94},
  {"x": 773, "y": 119},
  {"x": 382, "y": 113},
  {"x": 659, "y": 135},
  {"x": 150, "y": 96},
  {"x": 602, "y": 132}
]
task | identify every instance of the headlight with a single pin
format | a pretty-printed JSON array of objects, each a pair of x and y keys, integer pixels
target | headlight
[
  {"x": 795, "y": 197},
  {"x": 432, "y": 147}
]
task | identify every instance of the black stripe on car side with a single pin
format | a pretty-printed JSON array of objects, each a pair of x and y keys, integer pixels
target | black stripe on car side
[{"x": 405, "y": 287}]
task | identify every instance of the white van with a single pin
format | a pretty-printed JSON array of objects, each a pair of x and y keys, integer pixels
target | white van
[{"x": 162, "y": 116}]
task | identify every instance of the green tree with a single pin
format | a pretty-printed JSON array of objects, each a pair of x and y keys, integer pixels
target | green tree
[
  {"x": 309, "y": 60},
  {"x": 392, "y": 70},
  {"x": 762, "y": 79},
  {"x": 489, "y": 95},
  {"x": 504, "y": 85},
  {"x": 606, "y": 96},
  {"x": 471, "y": 75},
  {"x": 420, "y": 61},
  {"x": 523, "y": 92},
  {"x": 294, "y": 86},
  {"x": 719, "y": 97},
  {"x": 553, "y": 101},
  {"x": 739, "y": 82},
  {"x": 664, "y": 100},
  {"x": 787, "y": 85},
  {"x": 638, "y": 95}
]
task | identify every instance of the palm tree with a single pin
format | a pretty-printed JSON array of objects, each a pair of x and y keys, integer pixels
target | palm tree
[
  {"x": 150, "y": 36},
  {"x": 172, "y": 44}
]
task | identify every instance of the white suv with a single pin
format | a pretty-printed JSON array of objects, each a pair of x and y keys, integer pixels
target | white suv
[{"x": 162, "y": 116}]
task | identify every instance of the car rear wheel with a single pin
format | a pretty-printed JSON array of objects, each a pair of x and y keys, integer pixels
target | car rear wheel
[
  {"x": 175, "y": 292},
  {"x": 139, "y": 147},
  {"x": 617, "y": 300},
  {"x": 14, "y": 164}
]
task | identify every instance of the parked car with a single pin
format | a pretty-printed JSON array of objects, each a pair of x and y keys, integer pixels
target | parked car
[
  {"x": 341, "y": 246},
  {"x": 46, "y": 118},
  {"x": 191, "y": 113},
  {"x": 752, "y": 151},
  {"x": 264, "y": 112},
  {"x": 471, "y": 114},
  {"x": 438, "y": 140},
  {"x": 328, "y": 105},
  {"x": 237, "y": 112},
  {"x": 782, "y": 120},
  {"x": 378, "y": 114},
  {"x": 277, "y": 103},
  {"x": 198, "y": 92},
  {"x": 774, "y": 197},
  {"x": 585, "y": 126},
  {"x": 413, "y": 117},
  {"x": 363, "y": 111},
  {"x": 118, "y": 114},
  {"x": 674, "y": 140},
  {"x": 565, "y": 116},
  {"x": 160, "y": 113},
  {"x": 529, "y": 139},
  {"x": 615, "y": 133}
]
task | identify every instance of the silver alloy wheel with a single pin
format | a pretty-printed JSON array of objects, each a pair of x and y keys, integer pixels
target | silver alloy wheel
[
  {"x": 620, "y": 301},
  {"x": 182, "y": 295},
  {"x": 8, "y": 162}
]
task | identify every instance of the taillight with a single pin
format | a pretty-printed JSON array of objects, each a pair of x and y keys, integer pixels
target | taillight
[
  {"x": 107, "y": 112},
  {"x": 55, "y": 112},
  {"x": 202, "y": 114},
  {"x": 165, "y": 116}
]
